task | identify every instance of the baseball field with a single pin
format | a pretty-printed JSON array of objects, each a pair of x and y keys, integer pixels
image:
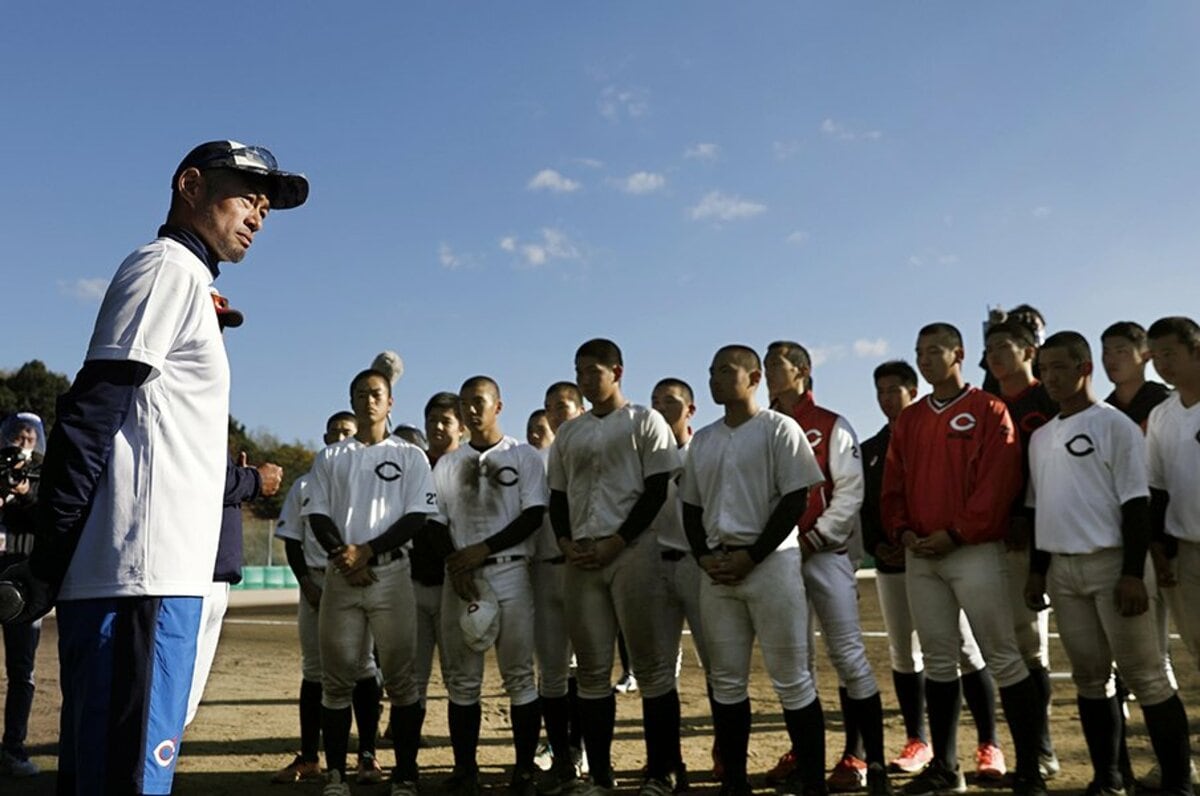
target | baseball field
[{"x": 247, "y": 725}]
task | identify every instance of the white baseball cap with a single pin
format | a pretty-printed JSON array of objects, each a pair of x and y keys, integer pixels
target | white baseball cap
[{"x": 480, "y": 620}]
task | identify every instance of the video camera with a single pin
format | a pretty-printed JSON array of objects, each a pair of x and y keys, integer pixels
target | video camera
[{"x": 16, "y": 465}]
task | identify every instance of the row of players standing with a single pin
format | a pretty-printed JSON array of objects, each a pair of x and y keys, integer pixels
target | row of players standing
[{"x": 945, "y": 559}]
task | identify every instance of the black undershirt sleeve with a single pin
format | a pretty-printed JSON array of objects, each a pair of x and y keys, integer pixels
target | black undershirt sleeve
[
  {"x": 1159, "y": 498},
  {"x": 693, "y": 526},
  {"x": 295, "y": 558},
  {"x": 779, "y": 524},
  {"x": 325, "y": 532},
  {"x": 401, "y": 531},
  {"x": 560, "y": 514},
  {"x": 1135, "y": 534},
  {"x": 646, "y": 508},
  {"x": 516, "y": 531}
]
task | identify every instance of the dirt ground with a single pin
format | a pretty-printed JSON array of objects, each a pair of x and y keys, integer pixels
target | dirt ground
[{"x": 247, "y": 726}]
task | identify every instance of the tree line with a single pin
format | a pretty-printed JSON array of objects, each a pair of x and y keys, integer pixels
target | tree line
[{"x": 35, "y": 388}]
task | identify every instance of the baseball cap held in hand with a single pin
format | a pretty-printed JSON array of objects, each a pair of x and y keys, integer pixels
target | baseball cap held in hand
[{"x": 480, "y": 620}]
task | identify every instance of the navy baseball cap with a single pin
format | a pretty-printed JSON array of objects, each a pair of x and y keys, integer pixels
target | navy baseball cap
[{"x": 285, "y": 190}]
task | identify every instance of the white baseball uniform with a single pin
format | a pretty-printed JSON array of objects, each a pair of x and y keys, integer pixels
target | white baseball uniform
[
  {"x": 737, "y": 476},
  {"x": 1173, "y": 448},
  {"x": 479, "y": 493},
  {"x": 1083, "y": 468}
]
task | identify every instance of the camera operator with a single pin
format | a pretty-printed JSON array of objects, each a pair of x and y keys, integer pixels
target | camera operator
[{"x": 23, "y": 441}]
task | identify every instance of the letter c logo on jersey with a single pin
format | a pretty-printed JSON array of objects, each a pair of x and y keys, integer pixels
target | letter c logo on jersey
[
  {"x": 815, "y": 438},
  {"x": 388, "y": 471},
  {"x": 506, "y": 476},
  {"x": 963, "y": 422},
  {"x": 164, "y": 753},
  {"x": 1080, "y": 445}
]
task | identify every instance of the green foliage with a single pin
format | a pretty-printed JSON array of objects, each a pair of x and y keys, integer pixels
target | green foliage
[{"x": 32, "y": 388}]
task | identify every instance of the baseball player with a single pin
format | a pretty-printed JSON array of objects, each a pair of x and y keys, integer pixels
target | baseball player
[
  {"x": 953, "y": 470},
  {"x": 827, "y": 526},
  {"x": 307, "y": 560},
  {"x": 538, "y": 433},
  {"x": 491, "y": 498},
  {"x": 896, "y": 389},
  {"x": 1089, "y": 486},
  {"x": 745, "y": 481},
  {"x": 674, "y": 400},
  {"x": 558, "y": 691},
  {"x": 1126, "y": 352},
  {"x": 1173, "y": 437},
  {"x": 444, "y": 432},
  {"x": 1010, "y": 350},
  {"x": 367, "y": 496},
  {"x": 608, "y": 474},
  {"x": 130, "y": 502}
]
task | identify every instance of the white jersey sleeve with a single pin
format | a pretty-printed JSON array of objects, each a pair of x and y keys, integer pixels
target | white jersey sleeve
[
  {"x": 795, "y": 465},
  {"x": 534, "y": 491},
  {"x": 289, "y": 524},
  {"x": 657, "y": 447},
  {"x": 839, "y": 522},
  {"x": 319, "y": 484}
]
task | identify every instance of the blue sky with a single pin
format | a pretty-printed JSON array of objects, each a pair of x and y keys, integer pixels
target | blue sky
[{"x": 493, "y": 183}]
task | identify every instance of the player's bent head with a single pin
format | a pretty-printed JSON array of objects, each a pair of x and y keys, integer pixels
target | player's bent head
[
  {"x": 1014, "y": 330},
  {"x": 604, "y": 351},
  {"x": 1129, "y": 331},
  {"x": 672, "y": 383},
  {"x": 946, "y": 334},
  {"x": 368, "y": 374},
  {"x": 339, "y": 426},
  {"x": 412, "y": 435},
  {"x": 1073, "y": 343},
  {"x": 1182, "y": 328},
  {"x": 899, "y": 370},
  {"x": 565, "y": 389},
  {"x": 475, "y": 383},
  {"x": 442, "y": 402}
]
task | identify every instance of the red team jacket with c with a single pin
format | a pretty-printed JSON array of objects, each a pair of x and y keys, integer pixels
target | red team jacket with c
[{"x": 955, "y": 467}]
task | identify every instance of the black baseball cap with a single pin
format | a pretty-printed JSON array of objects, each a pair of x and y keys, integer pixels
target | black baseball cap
[{"x": 285, "y": 190}]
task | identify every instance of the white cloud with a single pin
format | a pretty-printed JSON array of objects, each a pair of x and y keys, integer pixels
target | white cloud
[
  {"x": 702, "y": 152},
  {"x": 870, "y": 348},
  {"x": 797, "y": 238},
  {"x": 933, "y": 258},
  {"x": 720, "y": 207},
  {"x": 785, "y": 149},
  {"x": 591, "y": 163},
  {"x": 616, "y": 103},
  {"x": 642, "y": 182},
  {"x": 551, "y": 180},
  {"x": 90, "y": 291},
  {"x": 451, "y": 260},
  {"x": 1042, "y": 211},
  {"x": 553, "y": 245},
  {"x": 840, "y": 132},
  {"x": 824, "y": 353}
]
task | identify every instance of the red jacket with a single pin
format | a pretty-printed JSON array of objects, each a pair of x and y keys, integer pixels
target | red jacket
[{"x": 955, "y": 468}]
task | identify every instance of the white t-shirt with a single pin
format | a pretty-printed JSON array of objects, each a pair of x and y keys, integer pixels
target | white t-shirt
[
  {"x": 480, "y": 494},
  {"x": 365, "y": 489},
  {"x": 1082, "y": 469},
  {"x": 602, "y": 463},
  {"x": 155, "y": 517},
  {"x": 292, "y": 525},
  {"x": 738, "y": 475},
  {"x": 1173, "y": 443},
  {"x": 668, "y": 525}
]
